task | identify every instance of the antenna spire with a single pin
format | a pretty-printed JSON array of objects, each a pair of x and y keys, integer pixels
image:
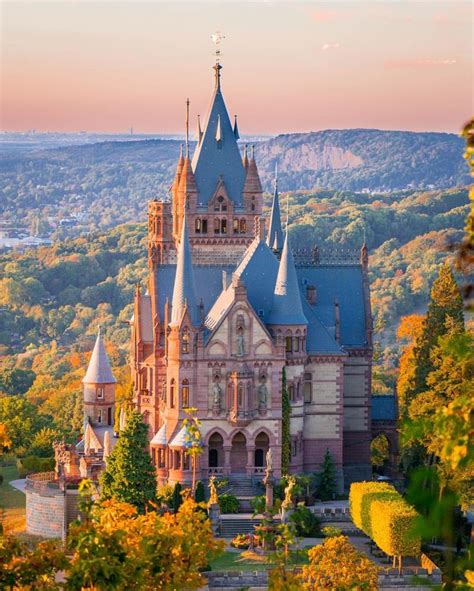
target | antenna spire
[
  {"x": 276, "y": 176},
  {"x": 187, "y": 128},
  {"x": 217, "y": 39},
  {"x": 287, "y": 211}
]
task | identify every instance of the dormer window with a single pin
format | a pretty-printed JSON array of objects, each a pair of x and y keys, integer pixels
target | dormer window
[{"x": 220, "y": 204}]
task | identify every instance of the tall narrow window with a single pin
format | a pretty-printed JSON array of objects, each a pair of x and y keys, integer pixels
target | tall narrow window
[
  {"x": 172, "y": 393},
  {"x": 217, "y": 226},
  {"x": 235, "y": 225},
  {"x": 289, "y": 344},
  {"x": 197, "y": 226},
  {"x": 308, "y": 388},
  {"x": 100, "y": 393},
  {"x": 291, "y": 392},
  {"x": 240, "y": 396},
  {"x": 185, "y": 341},
  {"x": 204, "y": 227},
  {"x": 224, "y": 226},
  {"x": 185, "y": 393},
  {"x": 296, "y": 344},
  {"x": 99, "y": 416}
]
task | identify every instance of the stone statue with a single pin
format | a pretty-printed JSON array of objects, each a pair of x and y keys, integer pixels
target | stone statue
[
  {"x": 213, "y": 497},
  {"x": 262, "y": 393},
  {"x": 216, "y": 394},
  {"x": 269, "y": 458},
  {"x": 240, "y": 343},
  {"x": 288, "y": 500}
]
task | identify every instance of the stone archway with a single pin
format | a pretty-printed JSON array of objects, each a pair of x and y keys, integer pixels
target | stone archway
[
  {"x": 238, "y": 454},
  {"x": 216, "y": 451},
  {"x": 262, "y": 443},
  {"x": 380, "y": 453}
]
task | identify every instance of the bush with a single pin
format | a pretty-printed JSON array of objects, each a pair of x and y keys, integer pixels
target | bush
[
  {"x": 393, "y": 525},
  {"x": 228, "y": 503},
  {"x": 165, "y": 495},
  {"x": 361, "y": 497},
  {"x": 258, "y": 505},
  {"x": 306, "y": 524},
  {"x": 331, "y": 531},
  {"x": 176, "y": 499},
  {"x": 200, "y": 493},
  {"x": 32, "y": 464},
  {"x": 241, "y": 541}
]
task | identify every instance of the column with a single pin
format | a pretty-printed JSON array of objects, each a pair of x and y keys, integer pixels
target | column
[
  {"x": 250, "y": 459},
  {"x": 227, "y": 468}
]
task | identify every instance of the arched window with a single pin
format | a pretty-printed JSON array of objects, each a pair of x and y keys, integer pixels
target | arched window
[
  {"x": 240, "y": 396},
  {"x": 217, "y": 226},
  {"x": 289, "y": 344},
  {"x": 235, "y": 226},
  {"x": 252, "y": 206},
  {"x": 243, "y": 226},
  {"x": 185, "y": 341},
  {"x": 197, "y": 226},
  {"x": 185, "y": 393},
  {"x": 220, "y": 204},
  {"x": 224, "y": 226},
  {"x": 157, "y": 226},
  {"x": 291, "y": 392},
  {"x": 204, "y": 226},
  {"x": 258, "y": 458},
  {"x": 172, "y": 393}
]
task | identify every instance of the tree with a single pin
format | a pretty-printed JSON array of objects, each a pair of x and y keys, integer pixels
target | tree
[
  {"x": 200, "y": 493},
  {"x": 445, "y": 302},
  {"x": 327, "y": 478},
  {"x": 379, "y": 451},
  {"x": 5, "y": 441},
  {"x": 410, "y": 330},
  {"x": 16, "y": 381},
  {"x": 285, "y": 426},
  {"x": 193, "y": 440},
  {"x": 130, "y": 475},
  {"x": 21, "y": 420},
  {"x": 177, "y": 499},
  {"x": 337, "y": 565}
]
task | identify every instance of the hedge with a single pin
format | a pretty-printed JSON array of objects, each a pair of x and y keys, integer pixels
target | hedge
[
  {"x": 392, "y": 524},
  {"x": 361, "y": 497},
  {"x": 382, "y": 513},
  {"x": 32, "y": 464}
]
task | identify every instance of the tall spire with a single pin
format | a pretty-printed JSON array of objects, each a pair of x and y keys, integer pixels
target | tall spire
[
  {"x": 184, "y": 291},
  {"x": 252, "y": 180},
  {"x": 275, "y": 231},
  {"x": 187, "y": 128},
  {"x": 287, "y": 308},
  {"x": 99, "y": 370},
  {"x": 217, "y": 157},
  {"x": 236, "y": 128}
]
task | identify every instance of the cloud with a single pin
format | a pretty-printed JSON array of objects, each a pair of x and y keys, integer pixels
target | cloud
[
  {"x": 323, "y": 16},
  {"x": 327, "y": 46},
  {"x": 419, "y": 63}
]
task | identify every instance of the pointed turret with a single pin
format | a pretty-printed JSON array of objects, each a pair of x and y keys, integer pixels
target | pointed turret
[
  {"x": 275, "y": 231},
  {"x": 184, "y": 291},
  {"x": 252, "y": 180},
  {"x": 199, "y": 130},
  {"x": 179, "y": 169},
  {"x": 287, "y": 308},
  {"x": 245, "y": 159},
  {"x": 99, "y": 370},
  {"x": 217, "y": 156},
  {"x": 236, "y": 128}
]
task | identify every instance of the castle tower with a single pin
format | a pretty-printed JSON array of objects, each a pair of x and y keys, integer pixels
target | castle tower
[
  {"x": 99, "y": 387},
  {"x": 160, "y": 238}
]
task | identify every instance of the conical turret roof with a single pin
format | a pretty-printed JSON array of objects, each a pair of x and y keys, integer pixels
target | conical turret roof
[
  {"x": 187, "y": 181},
  {"x": 287, "y": 307},
  {"x": 184, "y": 291},
  {"x": 179, "y": 169},
  {"x": 99, "y": 370},
  {"x": 275, "y": 232},
  {"x": 218, "y": 158},
  {"x": 252, "y": 180}
]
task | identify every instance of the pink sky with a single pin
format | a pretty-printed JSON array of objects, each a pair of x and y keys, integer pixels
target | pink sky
[{"x": 296, "y": 66}]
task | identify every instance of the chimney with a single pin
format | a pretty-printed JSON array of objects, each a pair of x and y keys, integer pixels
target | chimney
[{"x": 311, "y": 295}]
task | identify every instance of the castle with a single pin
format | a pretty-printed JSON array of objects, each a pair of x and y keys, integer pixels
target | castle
[{"x": 229, "y": 308}]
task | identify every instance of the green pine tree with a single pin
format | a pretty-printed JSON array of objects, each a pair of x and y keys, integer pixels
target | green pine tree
[
  {"x": 177, "y": 498},
  {"x": 327, "y": 478},
  {"x": 445, "y": 310},
  {"x": 200, "y": 493},
  {"x": 285, "y": 426},
  {"x": 130, "y": 475}
]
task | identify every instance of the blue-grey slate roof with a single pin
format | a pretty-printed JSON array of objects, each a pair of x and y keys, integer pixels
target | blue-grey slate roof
[
  {"x": 218, "y": 160},
  {"x": 275, "y": 233},
  {"x": 384, "y": 408}
]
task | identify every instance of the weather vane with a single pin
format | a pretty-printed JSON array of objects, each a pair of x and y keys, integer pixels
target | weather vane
[{"x": 217, "y": 39}]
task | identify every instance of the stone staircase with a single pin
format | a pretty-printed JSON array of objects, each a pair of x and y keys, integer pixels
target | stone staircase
[
  {"x": 231, "y": 526},
  {"x": 245, "y": 489}
]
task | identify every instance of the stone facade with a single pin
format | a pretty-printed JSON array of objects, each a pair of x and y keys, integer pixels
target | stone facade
[{"x": 226, "y": 310}]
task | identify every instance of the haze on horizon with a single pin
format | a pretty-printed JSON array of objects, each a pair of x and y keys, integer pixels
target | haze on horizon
[{"x": 288, "y": 66}]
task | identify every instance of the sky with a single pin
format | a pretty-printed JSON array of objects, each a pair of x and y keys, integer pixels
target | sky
[{"x": 287, "y": 66}]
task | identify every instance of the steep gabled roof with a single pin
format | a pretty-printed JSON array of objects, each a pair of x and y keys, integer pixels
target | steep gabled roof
[
  {"x": 184, "y": 291},
  {"x": 214, "y": 159},
  {"x": 99, "y": 370},
  {"x": 286, "y": 307}
]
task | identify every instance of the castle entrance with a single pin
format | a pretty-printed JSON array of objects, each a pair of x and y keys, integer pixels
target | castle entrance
[
  {"x": 238, "y": 454},
  {"x": 262, "y": 444}
]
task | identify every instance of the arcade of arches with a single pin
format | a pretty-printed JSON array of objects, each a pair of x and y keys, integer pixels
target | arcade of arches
[{"x": 242, "y": 456}]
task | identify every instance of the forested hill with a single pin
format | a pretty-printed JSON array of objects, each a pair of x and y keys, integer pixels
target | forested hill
[{"x": 111, "y": 182}]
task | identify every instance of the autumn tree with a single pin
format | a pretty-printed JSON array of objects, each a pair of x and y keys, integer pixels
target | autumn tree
[
  {"x": 336, "y": 565},
  {"x": 410, "y": 331},
  {"x": 130, "y": 475}
]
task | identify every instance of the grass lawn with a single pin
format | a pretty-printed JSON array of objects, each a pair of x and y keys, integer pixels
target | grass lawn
[
  {"x": 238, "y": 561},
  {"x": 12, "y": 502}
]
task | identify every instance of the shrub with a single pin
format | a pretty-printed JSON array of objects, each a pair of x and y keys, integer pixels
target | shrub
[
  {"x": 200, "y": 493},
  {"x": 241, "y": 541},
  {"x": 331, "y": 531},
  {"x": 165, "y": 495},
  {"x": 228, "y": 503},
  {"x": 258, "y": 505},
  {"x": 32, "y": 464},
  {"x": 306, "y": 524},
  {"x": 361, "y": 497},
  {"x": 327, "y": 478},
  {"x": 176, "y": 499},
  {"x": 393, "y": 522}
]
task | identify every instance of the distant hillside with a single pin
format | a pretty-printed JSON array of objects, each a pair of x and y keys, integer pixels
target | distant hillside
[
  {"x": 111, "y": 182},
  {"x": 357, "y": 159}
]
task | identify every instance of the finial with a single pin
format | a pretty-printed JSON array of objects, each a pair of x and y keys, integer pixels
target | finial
[
  {"x": 217, "y": 39},
  {"x": 253, "y": 151},
  {"x": 187, "y": 128}
]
